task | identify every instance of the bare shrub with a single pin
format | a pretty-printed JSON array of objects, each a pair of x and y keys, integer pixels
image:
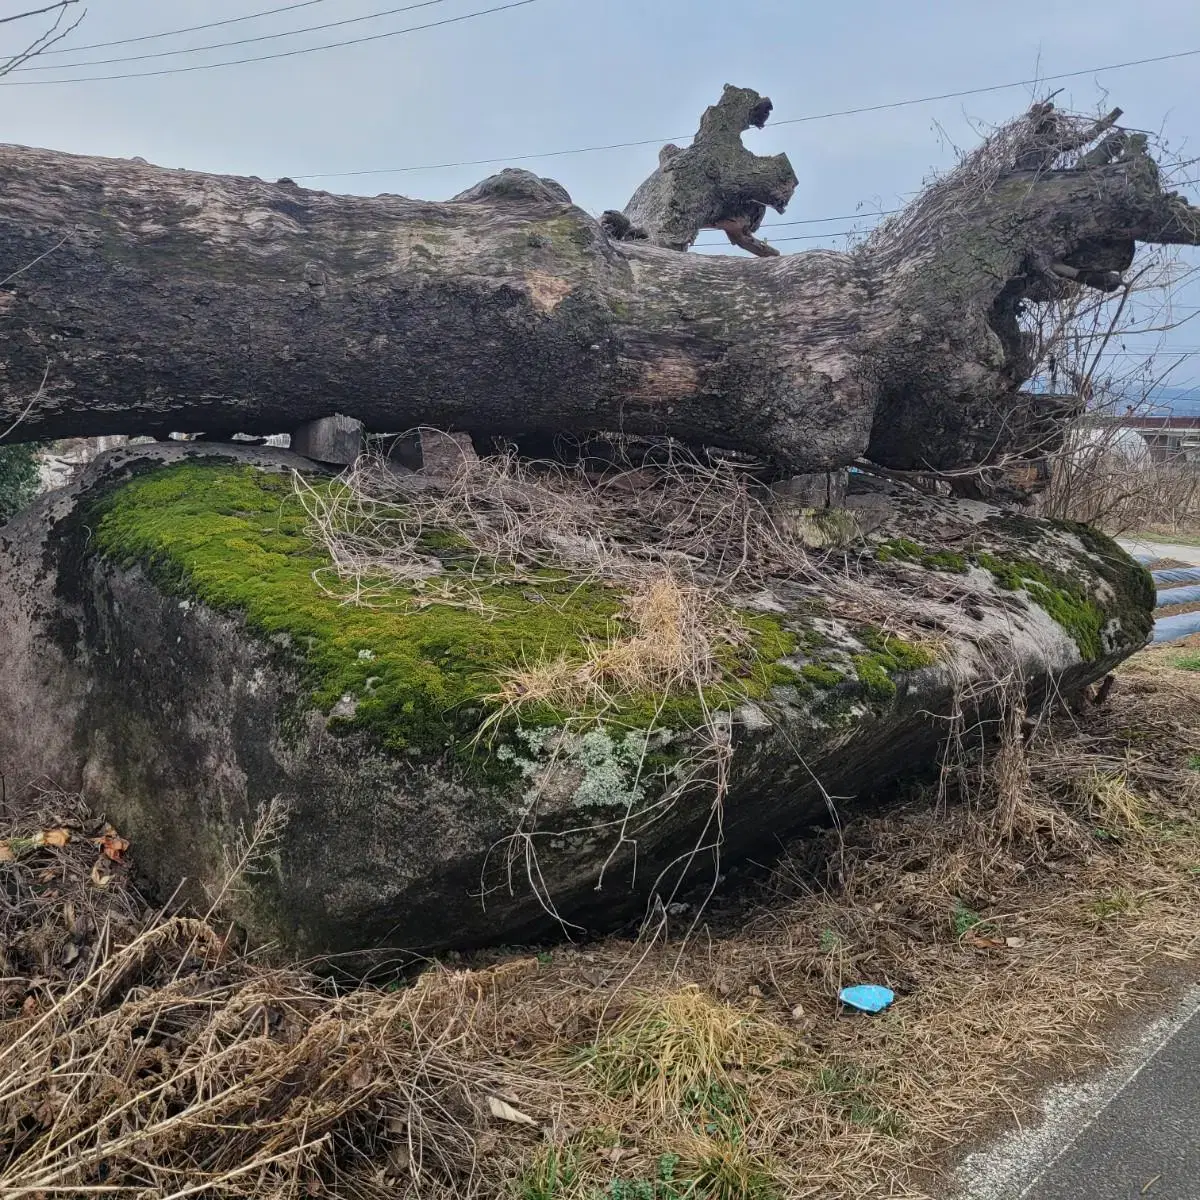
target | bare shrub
[{"x": 1104, "y": 475}]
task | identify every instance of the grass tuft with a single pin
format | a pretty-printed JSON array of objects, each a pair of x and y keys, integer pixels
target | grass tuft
[{"x": 673, "y": 1051}]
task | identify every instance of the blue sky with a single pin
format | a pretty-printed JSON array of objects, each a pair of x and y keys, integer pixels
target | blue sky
[{"x": 559, "y": 74}]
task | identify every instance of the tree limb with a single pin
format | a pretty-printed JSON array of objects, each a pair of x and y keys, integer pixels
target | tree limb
[
  {"x": 190, "y": 302},
  {"x": 716, "y": 183}
]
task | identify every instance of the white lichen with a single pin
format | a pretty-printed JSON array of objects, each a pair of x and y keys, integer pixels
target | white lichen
[{"x": 594, "y": 769}]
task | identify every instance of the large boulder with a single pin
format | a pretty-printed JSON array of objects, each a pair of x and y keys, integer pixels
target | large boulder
[{"x": 167, "y": 648}]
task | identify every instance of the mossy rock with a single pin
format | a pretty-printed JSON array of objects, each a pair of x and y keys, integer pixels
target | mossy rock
[
  {"x": 413, "y": 674},
  {"x": 167, "y": 647},
  {"x": 1085, "y": 582}
]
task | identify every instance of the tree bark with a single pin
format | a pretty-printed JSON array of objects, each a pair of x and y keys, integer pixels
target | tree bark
[
  {"x": 716, "y": 183},
  {"x": 152, "y": 300}
]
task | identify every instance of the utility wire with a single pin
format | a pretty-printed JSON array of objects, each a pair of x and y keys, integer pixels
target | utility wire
[
  {"x": 803, "y": 237},
  {"x": 150, "y": 37},
  {"x": 8, "y": 81},
  {"x": 995, "y": 87},
  {"x": 263, "y": 37},
  {"x": 37, "y": 12},
  {"x": 883, "y": 212},
  {"x": 845, "y": 112}
]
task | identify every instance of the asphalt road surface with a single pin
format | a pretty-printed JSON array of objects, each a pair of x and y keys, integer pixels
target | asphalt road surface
[{"x": 1130, "y": 1133}]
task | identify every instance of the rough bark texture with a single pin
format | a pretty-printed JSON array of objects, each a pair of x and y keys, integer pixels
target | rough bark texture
[
  {"x": 181, "y": 721},
  {"x": 716, "y": 183},
  {"x": 152, "y": 300}
]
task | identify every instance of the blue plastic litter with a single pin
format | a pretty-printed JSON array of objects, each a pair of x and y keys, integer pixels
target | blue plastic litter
[
  {"x": 1173, "y": 629},
  {"x": 1175, "y": 575},
  {"x": 1188, "y": 594},
  {"x": 867, "y": 997}
]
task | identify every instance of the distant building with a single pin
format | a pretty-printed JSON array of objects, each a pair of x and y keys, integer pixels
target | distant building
[{"x": 1169, "y": 439}]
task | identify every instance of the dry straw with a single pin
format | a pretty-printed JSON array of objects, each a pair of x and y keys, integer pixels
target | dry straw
[{"x": 160, "y": 1061}]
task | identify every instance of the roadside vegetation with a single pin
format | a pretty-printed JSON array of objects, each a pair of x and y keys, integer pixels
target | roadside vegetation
[{"x": 1052, "y": 889}]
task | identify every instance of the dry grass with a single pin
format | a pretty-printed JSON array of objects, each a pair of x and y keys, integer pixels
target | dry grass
[
  {"x": 693, "y": 519},
  {"x": 671, "y": 1049},
  {"x": 1060, "y": 887},
  {"x": 675, "y": 630},
  {"x": 1097, "y": 482}
]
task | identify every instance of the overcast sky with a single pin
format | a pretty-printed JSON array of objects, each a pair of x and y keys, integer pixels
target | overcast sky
[{"x": 559, "y": 74}]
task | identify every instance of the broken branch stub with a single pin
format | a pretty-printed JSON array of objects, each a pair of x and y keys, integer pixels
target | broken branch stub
[{"x": 715, "y": 183}]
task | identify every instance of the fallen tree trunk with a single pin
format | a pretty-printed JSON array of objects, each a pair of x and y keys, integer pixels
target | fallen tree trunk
[{"x": 144, "y": 300}]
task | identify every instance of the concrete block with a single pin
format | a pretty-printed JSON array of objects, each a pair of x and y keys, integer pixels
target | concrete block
[
  {"x": 336, "y": 439},
  {"x": 824, "y": 489}
]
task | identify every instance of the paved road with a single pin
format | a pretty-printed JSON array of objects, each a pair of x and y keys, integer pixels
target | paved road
[
  {"x": 1130, "y": 1133},
  {"x": 1146, "y": 1142}
]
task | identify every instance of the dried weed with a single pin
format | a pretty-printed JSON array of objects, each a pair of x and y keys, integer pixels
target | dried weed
[{"x": 1009, "y": 921}]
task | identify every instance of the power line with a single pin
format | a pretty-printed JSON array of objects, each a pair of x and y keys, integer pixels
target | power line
[
  {"x": 883, "y": 212},
  {"x": 845, "y": 112},
  {"x": 37, "y": 12},
  {"x": 262, "y": 37},
  {"x": 150, "y": 37},
  {"x": 996, "y": 87},
  {"x": 8, "y": 81},
  {"x": 803, "y": 237},
  {"x": 813, "y": 237}
]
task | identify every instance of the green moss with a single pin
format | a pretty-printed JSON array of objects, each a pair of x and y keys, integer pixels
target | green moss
[
  {"x": 1065, "y": 601},
  {"x": 435, "y": 540},
  {"x": 235, "y": 538},
  {"x": 1063, "y": 597},
  {"x": 899, "y": 548},
  {"x": 874, "y": 678},
  {"x": 569, "y": 232},
  {"x": 946, "y": 560},
  {"x": 885, "y": 657},
  {"x": 1131, "y": 583},
  {"x": 906, "y": 550},
  {"x": 822, "y": 676}
]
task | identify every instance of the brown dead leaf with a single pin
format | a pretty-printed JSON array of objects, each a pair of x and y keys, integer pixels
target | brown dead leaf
[
  {"x": 100, "y": 877},
  {"x": 614, "y": 1154},
  {"x": 1014, "y": 943},
  {"x": 29, "y": 1007},
  {"x": 112, "y": 846},
  {"x": 985, "y": 943},
  {"x": 6, "y": 854},
  {"x": 54, "y": 837}
]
